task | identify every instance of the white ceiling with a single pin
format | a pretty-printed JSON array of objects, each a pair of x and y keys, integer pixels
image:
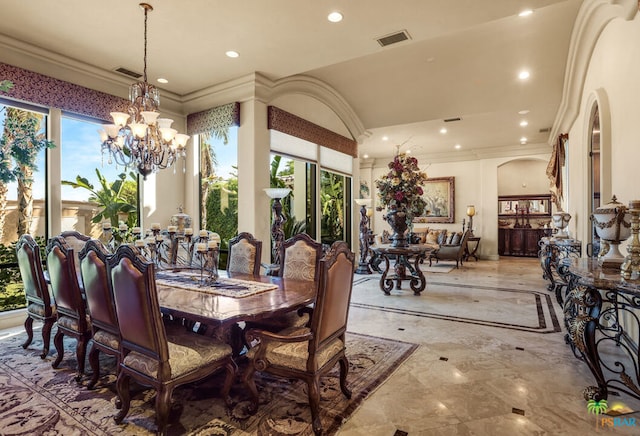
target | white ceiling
[{"x": 462, "y": 60}]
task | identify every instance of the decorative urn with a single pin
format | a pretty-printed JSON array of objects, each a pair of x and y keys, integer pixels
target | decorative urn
[
  {"x": 561, "y": 222},
  {"x": 613, "y": 225},
  {"x": 181, "y": 220}
]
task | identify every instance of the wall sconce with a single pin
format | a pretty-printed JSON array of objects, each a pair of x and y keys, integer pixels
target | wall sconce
[
  {"x": 471, "y": 211},
  {"x": 363, "y": 265},
  {"x": 278, "y": 219}
]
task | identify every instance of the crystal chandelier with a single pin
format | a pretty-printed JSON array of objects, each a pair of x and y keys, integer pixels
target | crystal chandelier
[{"x": 139, "y": 139}]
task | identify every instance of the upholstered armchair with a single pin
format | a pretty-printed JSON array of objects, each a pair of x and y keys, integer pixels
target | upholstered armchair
[
  {"x": 39, "y": 303},
  {"x": 151, "y": 354},
  {"x": 70, "y": 305},
  {"x": 310, "y": 352},
  {"x": 245, "y": 253},
  {"x": 453, "y": 251},
  {"x": 102, "y": 310}
]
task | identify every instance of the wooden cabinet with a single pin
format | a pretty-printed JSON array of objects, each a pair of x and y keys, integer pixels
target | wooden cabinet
[{"x": 519, "y": 242}]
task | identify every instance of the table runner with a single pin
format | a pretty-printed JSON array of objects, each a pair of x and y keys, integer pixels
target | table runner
[{"x": 227, "y": 287}]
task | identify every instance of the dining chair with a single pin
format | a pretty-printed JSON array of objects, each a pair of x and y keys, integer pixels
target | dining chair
[
  {"x": 152, "y": 355},
  {"x": 39, "y": 303},
  {"x": 70, "y": 305},
  {"x": 244, "y": 256},
  {"x": 100, "y": 304},
  {"x": 308, "y": 353},
  {"x": 300, "y": 256},
  {"x": 75, "y": 240}
]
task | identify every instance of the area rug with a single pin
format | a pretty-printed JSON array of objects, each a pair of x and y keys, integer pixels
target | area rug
[{"x": 36, "y": 399}]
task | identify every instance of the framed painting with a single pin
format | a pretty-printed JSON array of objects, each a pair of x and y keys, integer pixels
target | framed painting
[{"x": 439, "y": 195}]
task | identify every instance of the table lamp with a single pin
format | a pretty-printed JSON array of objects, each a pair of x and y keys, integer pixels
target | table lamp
[
  {"x": 363, "y": 265},
  {"x": 471, "y": 211},
  {"x": 278, "y": 219}
]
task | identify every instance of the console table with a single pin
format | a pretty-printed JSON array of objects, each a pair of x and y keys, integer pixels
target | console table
[
  {"x": 601, "y": 316},
  {"x": 403, "y": 269}
]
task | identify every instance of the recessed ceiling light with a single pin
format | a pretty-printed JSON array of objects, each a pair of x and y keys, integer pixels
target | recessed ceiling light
[
  {"x": 232, "y": 54},
  {"x": 162, "y": 80},
  {"x": 385, "y": 138},
  {"x": 523, "y": 140},
  {"x": 334, "y": 17},
  {"x": 523, "y": 75},
  {"x": 524, "y": 123},
  {"x": 525, "y": 13},
  {"x": 365, "y": 156},
  {"x": 523, "y": 112},
  {"x": 458, "y": 146},
  {"x": 443, "y": 130},
  {"x": 408, "y": 152}
]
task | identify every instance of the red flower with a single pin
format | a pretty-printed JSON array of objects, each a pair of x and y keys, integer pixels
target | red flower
[{"x": 399, "y": 196}]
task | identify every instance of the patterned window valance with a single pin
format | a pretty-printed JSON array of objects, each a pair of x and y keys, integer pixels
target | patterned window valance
[
  {"x": 49, "y": 92},
  {"x": 213, "y": 120},
  {"x": 293, "y": 125}
]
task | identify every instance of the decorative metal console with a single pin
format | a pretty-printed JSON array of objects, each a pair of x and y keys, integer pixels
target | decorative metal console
[
  {"x": 555, "y": 255},
  {"x": 601, "y": 316}
]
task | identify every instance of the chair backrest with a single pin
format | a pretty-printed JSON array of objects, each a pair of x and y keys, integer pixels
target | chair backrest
[
  {"x": 331, "y": 309},
  {"x": 75, "y": 240},
  {"x": 64, "y": 281},
  {"x": 463, "y": 243},
  {"x": 137, "y": 307},
  {"x": 30, "y": 264},
  {"x": 300, "y": 256},
  {"x": 97, "y": 286},
  {"x": 245, "y": 253}
]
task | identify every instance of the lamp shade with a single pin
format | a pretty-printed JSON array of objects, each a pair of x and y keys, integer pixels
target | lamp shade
[
  {"x": 363, "y": 202},
  {"x": 471, "y": 210},
  {"x": 277, "y": 192}
]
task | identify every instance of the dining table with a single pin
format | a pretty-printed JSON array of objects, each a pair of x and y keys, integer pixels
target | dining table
[{"x": 231, "y": 298}]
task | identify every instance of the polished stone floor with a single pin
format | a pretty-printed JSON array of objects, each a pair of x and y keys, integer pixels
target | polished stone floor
[{"x": 492, "y": 358}]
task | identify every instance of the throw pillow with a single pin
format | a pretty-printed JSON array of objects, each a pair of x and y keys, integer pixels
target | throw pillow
[
  {"x": 432, "y": 237},
  {"x": 457, "y": 237},
  {"x": 450, "y": 238},
  {"x": 442, "y": 237}
]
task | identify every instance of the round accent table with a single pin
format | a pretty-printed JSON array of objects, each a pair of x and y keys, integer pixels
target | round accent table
[{"x": 403, "y": 269}]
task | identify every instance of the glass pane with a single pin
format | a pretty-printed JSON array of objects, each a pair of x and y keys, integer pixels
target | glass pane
[
  {"x": 22, "y": 197},
  {"x": 334, "y": 190},
  {"x": 219, "y": 187},
  {"x": 81, "y": 182}
]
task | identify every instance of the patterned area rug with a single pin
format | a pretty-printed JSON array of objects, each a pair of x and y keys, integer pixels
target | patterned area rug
[{"x": 36, "y": 399}]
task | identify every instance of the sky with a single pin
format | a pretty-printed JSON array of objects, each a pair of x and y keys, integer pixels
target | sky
[{"x": 81, "y": 155}]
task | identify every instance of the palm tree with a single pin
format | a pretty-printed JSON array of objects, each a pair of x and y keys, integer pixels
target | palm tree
[
  {"x": 208, "y": 162},
  {"x": 20, "y": 144}
]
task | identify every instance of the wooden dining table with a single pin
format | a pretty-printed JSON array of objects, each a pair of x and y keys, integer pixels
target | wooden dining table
[{"x": 198, "y": 302}]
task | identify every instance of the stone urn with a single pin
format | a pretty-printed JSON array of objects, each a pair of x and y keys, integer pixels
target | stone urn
[
  {"x": 561, "y": 222},
  {"x": 397, "y": 219},
  {"x": 612, "y": 222}
]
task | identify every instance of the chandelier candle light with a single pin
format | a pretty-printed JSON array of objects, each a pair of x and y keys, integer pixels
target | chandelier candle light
[{"x": 139, "y": 139}]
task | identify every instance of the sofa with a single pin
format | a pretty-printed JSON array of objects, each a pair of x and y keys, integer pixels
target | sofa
[{"x": 453, "y": 249}]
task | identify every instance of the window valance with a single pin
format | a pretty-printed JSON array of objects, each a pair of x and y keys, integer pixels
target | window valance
[
  {"x": 215, "y": 119},
  {"x": 293, "y": 125},
  {"x": 46, "y": 91}
]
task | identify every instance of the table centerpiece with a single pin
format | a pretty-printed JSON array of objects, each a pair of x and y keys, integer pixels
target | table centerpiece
[{"x": 400, "y": 192}]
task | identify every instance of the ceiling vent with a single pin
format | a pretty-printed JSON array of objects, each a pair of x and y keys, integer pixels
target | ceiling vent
[
  {"x": 450, "y": 120},
  {"x": 394, "y": 38},
  {"x": 129, "y": 73},
  {"x": 545, "y": 130}
]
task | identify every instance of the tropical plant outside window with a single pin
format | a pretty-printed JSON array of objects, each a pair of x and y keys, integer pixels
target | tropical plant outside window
[
  {"x": 22, "y": 186},
  {"x": 335, "y": 189}
]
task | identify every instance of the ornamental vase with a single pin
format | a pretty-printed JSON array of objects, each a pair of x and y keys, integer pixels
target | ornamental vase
[{"x": 397, "y": 219}]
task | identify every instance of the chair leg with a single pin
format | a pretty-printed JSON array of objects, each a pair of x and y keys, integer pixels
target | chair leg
[
  {"x": 163, "y": 406},
  {"x": 314, "y": 403},
  {"x": 94, "y": 362},
  {"x": 28, "y": 326},
  {"x": 231, "y": 369},
  {"x": 122, "y": 387},
  {"x": 46, "y": 337},
  {"x": 251, "y": 384},
  {"x": 344, "y": 370},
  {"x": 57, "y": 341}
]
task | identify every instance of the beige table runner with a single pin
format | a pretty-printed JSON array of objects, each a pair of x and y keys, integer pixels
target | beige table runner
[{"x": 235, "y": 288}]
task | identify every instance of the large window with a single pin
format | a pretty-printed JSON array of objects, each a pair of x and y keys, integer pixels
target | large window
[
  {"x": 22, "y": 192},
  {"x": 219, "y": 183},
  {"x": 335, "y": 191}
]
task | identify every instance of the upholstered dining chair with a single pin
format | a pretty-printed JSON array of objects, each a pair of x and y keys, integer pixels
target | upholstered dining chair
[
  {"x": 300, "y": 256},
  {"x": 245, "y": 253},
  {"x": 100, "y": 304},
  {"x": 75, "y": 240},
  {"x": 40, "y": 306},
  {"x": 70, "y": 305},
  {"x": 152, "y": 355},
  {"x": 310, "y": 352}
]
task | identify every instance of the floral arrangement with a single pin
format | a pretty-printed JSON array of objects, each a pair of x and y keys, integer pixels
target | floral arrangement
[{"x": 401, "y": 187}]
